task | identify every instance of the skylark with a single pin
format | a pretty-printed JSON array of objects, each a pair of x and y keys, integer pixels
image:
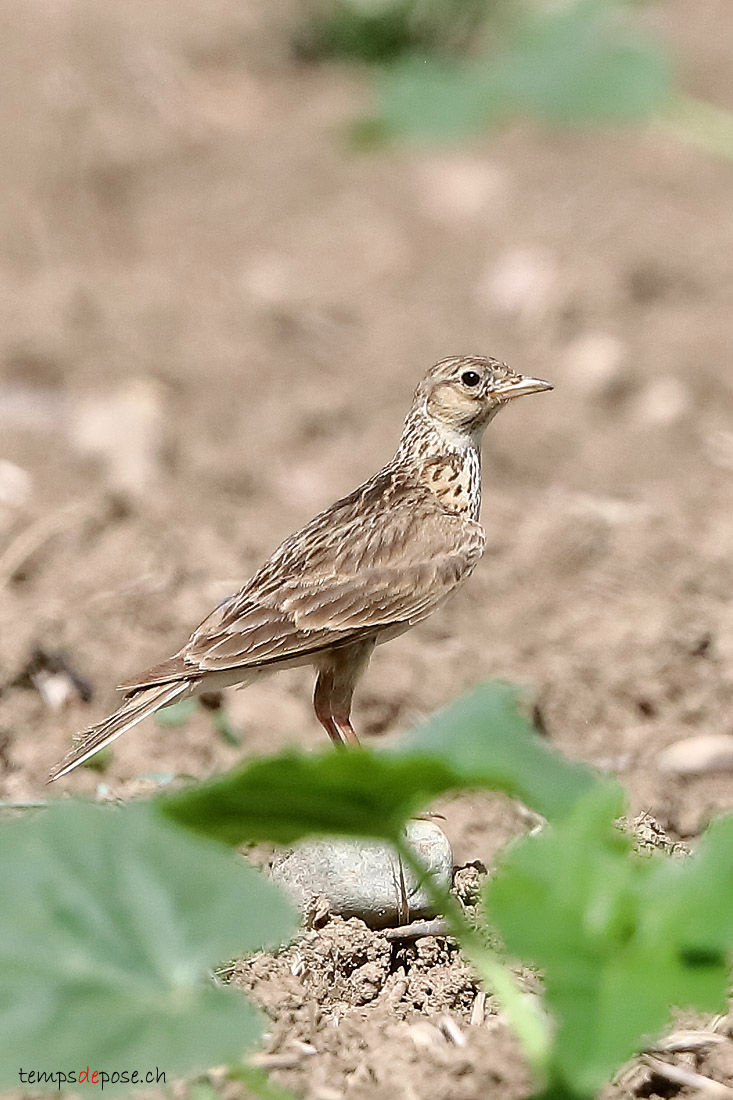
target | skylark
[{"x": 363, "y": 571}]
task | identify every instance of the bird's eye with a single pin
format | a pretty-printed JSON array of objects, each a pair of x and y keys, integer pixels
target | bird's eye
[{"x": 470, "y": 378}]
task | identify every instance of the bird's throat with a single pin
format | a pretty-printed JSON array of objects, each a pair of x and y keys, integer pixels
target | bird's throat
[{"x": 447, "y": 461}]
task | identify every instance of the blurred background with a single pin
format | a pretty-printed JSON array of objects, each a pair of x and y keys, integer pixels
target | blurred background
[{"x": 234, "y": 234}]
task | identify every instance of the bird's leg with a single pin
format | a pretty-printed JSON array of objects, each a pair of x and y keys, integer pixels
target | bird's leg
[
  {"x": 338, "y": 673},
  {"x": 335, "y": 720}
]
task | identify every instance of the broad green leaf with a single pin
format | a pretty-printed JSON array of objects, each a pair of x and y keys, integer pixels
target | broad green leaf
[
  {"x": 487, "y": 742},
  {"x": 286, "y": 797},
  {"x": 378, "y": 31},
  {"x": 698, "y": 911},
  {"x": 611, "y": 931},
  {"x": 582, "y": 63},
  {"x": 440, "y": 100},
  {"x": 579, "y": 63},
  {"x": 110, "y": 921},
  {"x": 481, "y": 742}
]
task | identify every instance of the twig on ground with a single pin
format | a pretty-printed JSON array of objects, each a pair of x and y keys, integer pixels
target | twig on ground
[
  {"x": 679, "y": 1075},
  {"x": 33, "y": 537},
  {"x": 478, "y": 1009},
  {"x": 419, "y": 928},
  {"x": 451, "y": 1030},
  {"x": 680, "y": 1042}
]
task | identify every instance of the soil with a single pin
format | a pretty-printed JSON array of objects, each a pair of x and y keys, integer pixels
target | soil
[{"x": 214, "y": 314}]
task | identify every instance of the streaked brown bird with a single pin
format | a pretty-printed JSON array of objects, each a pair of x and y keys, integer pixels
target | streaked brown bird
[{"x": 363, "y": 571}]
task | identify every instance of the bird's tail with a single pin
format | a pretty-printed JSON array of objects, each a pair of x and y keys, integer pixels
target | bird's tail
[{"x": 132, "y": 711}]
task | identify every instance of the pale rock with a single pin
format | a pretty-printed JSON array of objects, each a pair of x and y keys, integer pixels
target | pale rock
[
  {"x": 125, "y": 429},
  {"x": 707, "y": 752},
  {"x": 31, "y": 408},
  {"x": 366, "y": 878},
  {"x": 593, "y": 362},
  {"x": 16, "y": 485},
  {"x": 458, "y": 189},
  {"x": 522, "y": 283},
  {"x": 662, "y": 403},
  {"x": 268, "y": 279}
]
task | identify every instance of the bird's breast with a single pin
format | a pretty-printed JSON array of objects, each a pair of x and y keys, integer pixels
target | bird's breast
[{"x": 456, "y": 481}]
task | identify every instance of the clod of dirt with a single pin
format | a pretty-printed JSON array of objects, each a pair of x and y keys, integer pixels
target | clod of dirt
[
  {"x": 346, "y": 964},
  {"x": 351, "y": 1012},
  {"x": 54, "y": 679},
  {"x": 650, "y": 837},
  {"x": 366, "y": 879},
  {"x": 468, "y": 882}
]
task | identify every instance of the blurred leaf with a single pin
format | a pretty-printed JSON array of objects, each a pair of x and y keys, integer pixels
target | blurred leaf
[
  {"x": 614, "y": 932},
  {"x": 100, "y": 762},
  {"x": 488, "y": 742},
  {"x": 225, "y": 729},
  {"x": 479, "y": 742},
  {"x": 701, "y": 124},
  {"x": 380, "y": 31},
  {"x": 177, "y": 714},
  {"x": 259, "y": 1083},
  {"x": 355, "y": 33},
  {"x": 110, "y": 921},
  {"x": 366, "y": 134},
  {"x": 437, "y": 99},
  {"x": 699, "y": 894},
  {"x": 581, "y": 64},
  {"x": 202, "y": 1090}
]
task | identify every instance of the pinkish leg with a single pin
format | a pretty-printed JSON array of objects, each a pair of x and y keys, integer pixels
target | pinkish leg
[{"x": 337, "y": 676}]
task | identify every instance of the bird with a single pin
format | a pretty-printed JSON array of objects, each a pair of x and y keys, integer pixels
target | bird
[{"x": 362, "y": 572}]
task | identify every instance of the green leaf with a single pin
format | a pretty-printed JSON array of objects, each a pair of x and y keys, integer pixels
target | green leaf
[
  {"x": 176, "y": 714},
  {"x": 110, "y": 921},
  {"x": 487, "y": 741},
  {"x": 582, "y": 64},
  {"x": 101, "y": 762},
  {"x": 440, "y": 100},
  {"x": 481, "y": 742},
  {"x": 579, "y": 64},
  {"x": 614, "y": 933},
  {"x": 699, "y": 900},
  {"x": 257, "y": 1081}
]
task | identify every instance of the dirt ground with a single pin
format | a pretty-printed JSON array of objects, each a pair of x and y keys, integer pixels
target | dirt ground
[{"x": 214, "y": 314}]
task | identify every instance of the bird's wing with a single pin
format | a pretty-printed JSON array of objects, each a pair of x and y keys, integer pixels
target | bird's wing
[{"x": 351, "y": 572}]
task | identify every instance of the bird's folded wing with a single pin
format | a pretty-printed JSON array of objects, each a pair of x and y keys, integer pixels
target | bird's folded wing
[{"x": 347, "y": 596}]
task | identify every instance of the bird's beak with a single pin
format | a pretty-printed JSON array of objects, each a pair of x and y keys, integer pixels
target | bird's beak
[{"x": 521, "y": 386}]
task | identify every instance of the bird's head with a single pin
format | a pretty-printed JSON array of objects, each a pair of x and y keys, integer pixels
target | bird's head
[{"x": 464, "y": 393}]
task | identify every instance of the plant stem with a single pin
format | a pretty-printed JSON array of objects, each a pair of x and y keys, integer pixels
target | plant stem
[
  {"x": 702, "y": 124},
  {"x": 521, "y": 1009}
]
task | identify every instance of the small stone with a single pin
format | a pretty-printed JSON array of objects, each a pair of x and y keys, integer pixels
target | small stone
[
  {"x": 268, "y": 279},
  {"x": 663, "y": 402},
  {"x": 365, "y": 878},
  {"x": 125, "y": 429},
  {"x": 594, "y": 361},
  {"x": 707, "y": 752},
  {"x": 15, "y": 484},
  {"x": 523, "y": 283},
  {"x": 454, "y": 189}
]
